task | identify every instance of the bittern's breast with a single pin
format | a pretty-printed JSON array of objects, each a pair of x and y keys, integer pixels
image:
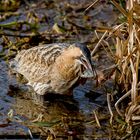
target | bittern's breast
[{"x": 65, "y": 74}]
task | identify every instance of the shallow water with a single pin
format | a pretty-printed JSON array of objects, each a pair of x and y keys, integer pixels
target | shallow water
[{"x": 64, "y": 117}]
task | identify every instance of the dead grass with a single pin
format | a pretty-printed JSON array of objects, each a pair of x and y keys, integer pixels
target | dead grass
[
  {"x": 127, "y": 59},
  {"x": 127, "y": 56}
]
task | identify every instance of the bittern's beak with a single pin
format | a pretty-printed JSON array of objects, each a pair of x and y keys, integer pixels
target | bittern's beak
[{"x": 88, "y": 72}]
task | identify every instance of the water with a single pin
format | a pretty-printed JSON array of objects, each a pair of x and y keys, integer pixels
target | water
[{"x": 65, "y": 117}]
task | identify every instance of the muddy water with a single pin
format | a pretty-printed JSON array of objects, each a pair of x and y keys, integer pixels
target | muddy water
[
  {"x": 65, "y": 117},
  {"x": 71, "y": 116},
  {"x": 60, "y": 117}
]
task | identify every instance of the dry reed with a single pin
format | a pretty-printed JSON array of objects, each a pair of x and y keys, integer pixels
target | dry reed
[
  {"x": 127, "y": 59},
  {"x": 127, "y": 56}
]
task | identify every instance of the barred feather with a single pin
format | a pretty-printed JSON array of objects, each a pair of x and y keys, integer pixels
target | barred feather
[{"x": 49, "y": 68}]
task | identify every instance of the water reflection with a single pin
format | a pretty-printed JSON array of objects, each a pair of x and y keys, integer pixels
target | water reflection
[
  {"x": 66, "y": 116},
  {"x": 70, "y": 113},
  {"x": 7, "y": 127}
]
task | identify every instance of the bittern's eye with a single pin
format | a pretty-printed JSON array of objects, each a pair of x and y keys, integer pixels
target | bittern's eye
[
  {"x": 83, "y": 59},
  {"x": 86, "y": 67}
]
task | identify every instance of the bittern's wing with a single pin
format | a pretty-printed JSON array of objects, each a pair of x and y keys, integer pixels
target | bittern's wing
[{"x": 32, "y": 63}]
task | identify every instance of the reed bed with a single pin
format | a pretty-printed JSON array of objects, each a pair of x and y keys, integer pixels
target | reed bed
[
  {"x": 127, "y": 56},
  {"x": 127, "y": 59},
  {"x": 126, "y": 38}
]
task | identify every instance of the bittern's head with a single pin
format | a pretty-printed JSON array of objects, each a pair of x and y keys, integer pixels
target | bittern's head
[{"x": 82, "y": 56}]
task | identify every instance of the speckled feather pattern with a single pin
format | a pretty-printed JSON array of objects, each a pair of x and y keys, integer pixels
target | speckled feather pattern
[{"x": 49, "y": 68}]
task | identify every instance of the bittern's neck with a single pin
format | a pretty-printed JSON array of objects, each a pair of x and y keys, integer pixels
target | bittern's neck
[{"x": 67, "y": 66}]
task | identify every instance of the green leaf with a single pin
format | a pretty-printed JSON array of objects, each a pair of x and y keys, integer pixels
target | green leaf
[{"x": 47, "y": 124}]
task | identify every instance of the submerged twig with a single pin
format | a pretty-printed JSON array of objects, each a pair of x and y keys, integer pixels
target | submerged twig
[
  {"x": 110, "y": 67},
  {"x": 17, "y": 35},
  {"x": 91, "y": 5},
  {"x": 96, "y": 119},
  {"x": 30, "y": 133},
  {"x": 97, "y": 45},
  {"x": 117, "y": 103},
  {"x": 109, "y": 107}
]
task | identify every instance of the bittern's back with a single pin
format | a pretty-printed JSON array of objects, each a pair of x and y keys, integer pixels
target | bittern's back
[
  {"x": 53, "y": 68},
  {"x": 34, "y": 62}
]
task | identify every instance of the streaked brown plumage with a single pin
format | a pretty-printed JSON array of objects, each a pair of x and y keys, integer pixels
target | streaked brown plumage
[{"x": 53, "y": 68}]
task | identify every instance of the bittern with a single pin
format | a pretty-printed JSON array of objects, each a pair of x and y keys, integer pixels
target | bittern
[{"x": 54, "y": 68}]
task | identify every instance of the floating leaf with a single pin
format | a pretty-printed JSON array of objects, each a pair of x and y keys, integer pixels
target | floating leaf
[
  {"x": 57, "y": 29},
  {"x": 47, "y": 124}
]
